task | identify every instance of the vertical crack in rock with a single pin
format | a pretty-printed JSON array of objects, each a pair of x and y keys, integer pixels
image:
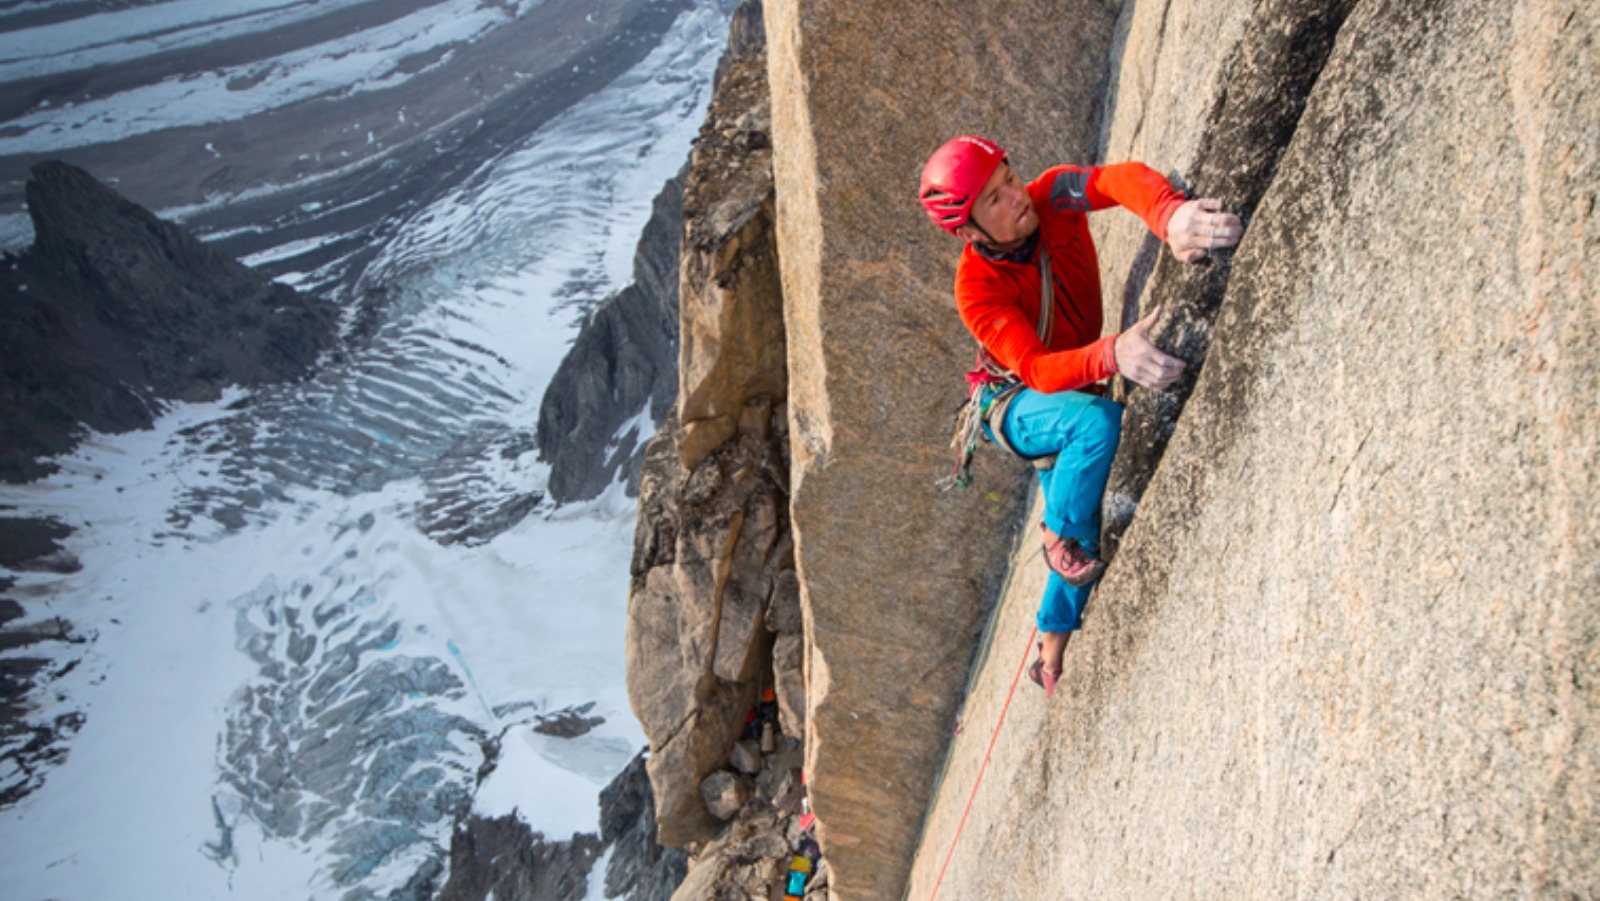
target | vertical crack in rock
[{"x": 1266, "y": 82}]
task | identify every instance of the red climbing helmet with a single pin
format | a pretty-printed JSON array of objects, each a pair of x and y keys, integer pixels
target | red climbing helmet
[{"x": 954, "y": 176}]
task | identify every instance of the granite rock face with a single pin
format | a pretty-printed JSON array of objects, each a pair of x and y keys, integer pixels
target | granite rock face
[
  {"x": 624, "y": 362},
  {"x": 1349, "y": 646},
  {"x": 1279, "y": 52},
  {"x": 709, "y": 549},
  {"x": 712, "y": 543},
  {"x": 731, "y": 322},
  {"x": 896, "y": 578},
  {"x": 112, "y": 311}
]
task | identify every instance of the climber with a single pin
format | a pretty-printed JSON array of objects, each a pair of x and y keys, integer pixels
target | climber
[{"x": 1042, "y": 357}]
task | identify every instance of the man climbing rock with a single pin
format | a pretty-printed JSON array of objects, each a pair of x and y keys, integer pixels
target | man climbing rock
[{"x": 1028, "y": 288}]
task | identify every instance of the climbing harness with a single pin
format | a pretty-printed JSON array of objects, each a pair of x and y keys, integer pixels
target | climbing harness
[{"x": 991, "y": 389}]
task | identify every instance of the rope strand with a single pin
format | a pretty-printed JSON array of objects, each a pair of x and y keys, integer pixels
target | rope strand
[{"x": 1021, "y": 667}]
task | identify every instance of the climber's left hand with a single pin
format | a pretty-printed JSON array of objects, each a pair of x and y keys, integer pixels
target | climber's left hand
[{"x": 1199, "y": 227}]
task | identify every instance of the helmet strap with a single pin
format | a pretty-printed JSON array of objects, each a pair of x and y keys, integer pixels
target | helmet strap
[{"x": 973, "y": 221}]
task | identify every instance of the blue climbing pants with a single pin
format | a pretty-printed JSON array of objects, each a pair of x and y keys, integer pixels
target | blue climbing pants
[{"x": 1082, "y": 430}]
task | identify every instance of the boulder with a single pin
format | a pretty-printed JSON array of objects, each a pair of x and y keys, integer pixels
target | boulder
[
  {"x": 569, "y": 723},
  {"x": 724, "y": 793},
  {"x": 787, "y": 791},
  {"x": 746, "y": 757}
]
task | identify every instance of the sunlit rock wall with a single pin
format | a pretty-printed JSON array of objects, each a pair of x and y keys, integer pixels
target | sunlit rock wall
[{"x": 895, "y": 577}]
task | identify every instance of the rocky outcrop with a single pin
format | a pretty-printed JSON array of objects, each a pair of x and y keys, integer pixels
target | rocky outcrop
[
  {"x": 112, "y": 311},
  {"x": 710, "y": 549},
  {"x": 750, "y": 857},
  {"x": 747, "y": 36},
  {"x": 502, "y": 858},
  {"x": 732, "y": 325},
  {"x": 623, "y": 363},
  {"x": 32, "y": 652},
  {"x": 895, "y": 578},
  {"x": 712, "y": 544},
  {"x": 640, "y": 869}
]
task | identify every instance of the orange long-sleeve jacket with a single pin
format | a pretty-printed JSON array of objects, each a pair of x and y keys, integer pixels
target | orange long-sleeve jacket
[{"x": 998, "y": 294}]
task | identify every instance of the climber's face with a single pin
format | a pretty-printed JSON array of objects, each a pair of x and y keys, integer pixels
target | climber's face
[{"x": 1004, "y": 210}]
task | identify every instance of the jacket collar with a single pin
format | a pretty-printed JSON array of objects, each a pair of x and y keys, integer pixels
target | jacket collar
[{"x": 1023, "y": 254}]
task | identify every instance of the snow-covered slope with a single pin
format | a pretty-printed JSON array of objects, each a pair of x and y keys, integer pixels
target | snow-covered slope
[{"x": 308, "y": 608}]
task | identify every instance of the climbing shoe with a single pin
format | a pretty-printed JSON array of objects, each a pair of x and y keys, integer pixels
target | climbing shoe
[
  {"x": 1068, "y": 559},
  {"x": 1044, "y": 678}
]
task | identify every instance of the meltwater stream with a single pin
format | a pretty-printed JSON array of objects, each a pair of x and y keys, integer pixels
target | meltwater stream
[{"x": 305, "y": 609}]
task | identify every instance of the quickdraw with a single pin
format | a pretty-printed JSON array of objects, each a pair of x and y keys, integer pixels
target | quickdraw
[{"x": 970, "y": 416}]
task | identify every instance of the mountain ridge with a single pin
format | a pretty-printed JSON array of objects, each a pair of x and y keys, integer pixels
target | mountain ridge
[{"x": 113, "y": 311}]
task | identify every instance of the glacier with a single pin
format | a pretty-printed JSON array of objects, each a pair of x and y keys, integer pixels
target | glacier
[{"x": 307, "y": 611}]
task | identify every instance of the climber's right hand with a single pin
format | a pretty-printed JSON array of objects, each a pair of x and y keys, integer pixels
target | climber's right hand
[
  {"x": 1199, "y": 227},
  {"x": 1140, "y": 361}
]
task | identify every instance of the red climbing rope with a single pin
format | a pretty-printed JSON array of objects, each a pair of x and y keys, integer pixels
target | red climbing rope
[{"x": 1026, "y": 650}]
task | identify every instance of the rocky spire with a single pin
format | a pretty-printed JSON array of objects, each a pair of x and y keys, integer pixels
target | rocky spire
[{"x": 113, "y": 310}]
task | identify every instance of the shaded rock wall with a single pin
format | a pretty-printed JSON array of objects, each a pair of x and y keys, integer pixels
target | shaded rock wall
[
  {"x": 712, "y": 547},
  {"x": 623, "y": 362},
  {"x": 112, "y": 311},
  {"x": 1349, "y": 646},
  {"x": 639, "y": 869},
  {"x": 895, "y": 578},
  {"x": 502, "y": 858}
]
